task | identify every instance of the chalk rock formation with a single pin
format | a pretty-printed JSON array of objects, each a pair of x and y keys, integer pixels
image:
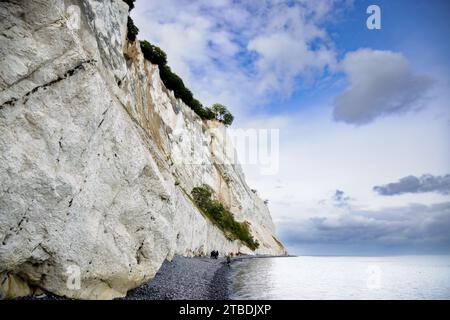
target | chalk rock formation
[{"x": 98, "y": 158}]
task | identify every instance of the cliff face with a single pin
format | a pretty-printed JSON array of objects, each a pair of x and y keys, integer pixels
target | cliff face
[{"x": 97, "y": 158}]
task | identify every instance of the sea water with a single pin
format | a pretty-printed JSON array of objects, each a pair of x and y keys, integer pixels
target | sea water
[{"x": 311, "y": 277}]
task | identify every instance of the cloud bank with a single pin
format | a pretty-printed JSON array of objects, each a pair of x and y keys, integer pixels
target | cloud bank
[
  {"x": 409, "y": 228},
  {"x": 412, "y": 184},
  {"x": 381, "y": 83}
]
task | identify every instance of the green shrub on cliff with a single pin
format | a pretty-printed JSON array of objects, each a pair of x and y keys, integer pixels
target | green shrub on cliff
[
  {"x": 208, "y": 114},
  {"x": 170, "y": 79},
  {"x": 132, "y": 30},
  {"x": 173, "y": 82},
  {"x": 202, "y": 195},
  {"x": 153, "y": 54},
  {"x": 216, "y": 212}
]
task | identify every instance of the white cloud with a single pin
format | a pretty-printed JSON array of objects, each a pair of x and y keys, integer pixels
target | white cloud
[
  {"x": 380, "y": 83},
  {"x": 239, "y": 53},
  {"x": 281, "y": 58}
]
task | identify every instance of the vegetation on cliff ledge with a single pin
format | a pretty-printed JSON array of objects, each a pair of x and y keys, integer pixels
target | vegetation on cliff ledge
[
  {"x": 172, "y": 81},
  {"x": 132, "y": 30},
  {"x": 221, "y": 217}
]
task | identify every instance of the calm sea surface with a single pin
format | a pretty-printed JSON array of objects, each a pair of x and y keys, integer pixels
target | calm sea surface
[{"x": 406, "y": 277}]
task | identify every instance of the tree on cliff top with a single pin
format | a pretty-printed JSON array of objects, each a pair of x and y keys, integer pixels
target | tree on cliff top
[{"x": 222, "y": 114}]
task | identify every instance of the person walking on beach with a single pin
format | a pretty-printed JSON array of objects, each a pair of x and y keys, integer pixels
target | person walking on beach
[
  {"x": 228, "y": 259},
  {"x": 214, "y": 254}
]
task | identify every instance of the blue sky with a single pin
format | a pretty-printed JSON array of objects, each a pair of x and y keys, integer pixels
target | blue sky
[{"x": 356, "y": 109}]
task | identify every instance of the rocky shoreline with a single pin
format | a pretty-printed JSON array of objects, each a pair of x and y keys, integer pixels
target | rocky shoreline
[
  {"x": 183, "y": 278},
  {"x": 197, "y": 278}
]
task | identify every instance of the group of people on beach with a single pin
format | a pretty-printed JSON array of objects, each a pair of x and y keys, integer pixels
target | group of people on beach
[{"x": 215, "y": 255}]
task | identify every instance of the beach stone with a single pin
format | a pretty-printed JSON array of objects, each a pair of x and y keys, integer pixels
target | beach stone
[{"x": 98, "y": 158}]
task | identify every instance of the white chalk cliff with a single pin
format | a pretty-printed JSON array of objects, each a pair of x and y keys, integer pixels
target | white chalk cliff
[{"x": 97, "y": 158}]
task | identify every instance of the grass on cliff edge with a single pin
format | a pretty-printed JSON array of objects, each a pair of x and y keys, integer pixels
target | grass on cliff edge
[{"x": 221, "y": 217}]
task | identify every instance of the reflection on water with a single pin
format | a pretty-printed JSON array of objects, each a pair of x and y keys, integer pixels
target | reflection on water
[
  {"x": 414, "y": 277},
  {"x": 243, "y": 278}
]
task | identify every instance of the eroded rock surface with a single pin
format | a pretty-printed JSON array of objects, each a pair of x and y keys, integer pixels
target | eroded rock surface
[{"x": 97, "y": 158}]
